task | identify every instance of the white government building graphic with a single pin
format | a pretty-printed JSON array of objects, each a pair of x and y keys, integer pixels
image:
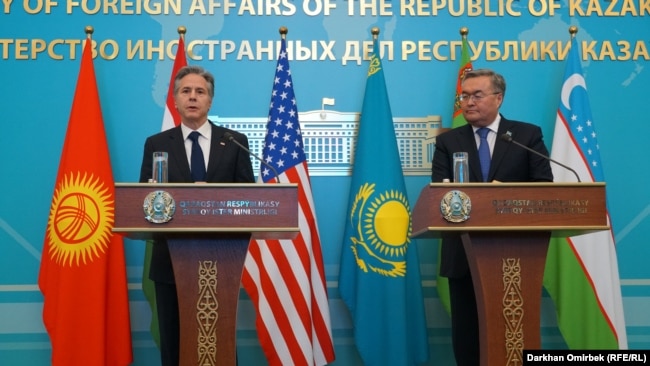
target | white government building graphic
[{"x": 329, "y": 139}]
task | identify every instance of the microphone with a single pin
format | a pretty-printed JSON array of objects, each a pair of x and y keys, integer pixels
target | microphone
[
  {"x": 231, "y": 138},
  {"x": 508, "y": 138}
]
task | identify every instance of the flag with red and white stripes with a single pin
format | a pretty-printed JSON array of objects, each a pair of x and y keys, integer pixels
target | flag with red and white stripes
[{"x": 285, "y": 279}]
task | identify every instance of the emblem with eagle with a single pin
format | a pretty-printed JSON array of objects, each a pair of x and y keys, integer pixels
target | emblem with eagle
[{"x": 383, "y": 227}]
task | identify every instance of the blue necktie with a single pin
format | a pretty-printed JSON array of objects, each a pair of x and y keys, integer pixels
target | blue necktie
[
  {"x": 484, "y": 152},
  {"x": 197, "y": 161}
]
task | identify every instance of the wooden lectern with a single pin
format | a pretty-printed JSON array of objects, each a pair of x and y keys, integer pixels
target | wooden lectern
[
  {"x": 208, "y": 228},
  {"x": 505, "y": 229}
]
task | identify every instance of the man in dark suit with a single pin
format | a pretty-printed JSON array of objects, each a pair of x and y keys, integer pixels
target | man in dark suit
[
  {"x": 225, "y": 162},
  {"x": 482, "y": 95}
]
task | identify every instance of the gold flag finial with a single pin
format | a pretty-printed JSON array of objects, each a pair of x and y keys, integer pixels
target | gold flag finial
[
  {"x": 89, "y": 31},
  {"x": 573, "y": 30},
  {"x": 375, "y": 32},
  {"x": 181, "y": 31},
  {"x": 464, "y": 31},
  {"x": 283, "y": 32}
]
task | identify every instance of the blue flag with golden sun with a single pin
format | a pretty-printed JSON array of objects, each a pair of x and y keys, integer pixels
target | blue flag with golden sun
[{"x": 379, "y": 278}]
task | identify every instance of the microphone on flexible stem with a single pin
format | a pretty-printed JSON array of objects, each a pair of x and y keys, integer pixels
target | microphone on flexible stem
[
  {"x": 506, "y": 137},
  {"x": 231, "y": 138}
]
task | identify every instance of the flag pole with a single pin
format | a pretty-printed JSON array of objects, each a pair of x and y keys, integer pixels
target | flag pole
[
  {"x": 89, "y": 31},
  {"x": 375, "y": 36},
  {"x": 573, "y": 30},
  {"x": 181, "y": 34},
  {"x": 464, "y": 31}
]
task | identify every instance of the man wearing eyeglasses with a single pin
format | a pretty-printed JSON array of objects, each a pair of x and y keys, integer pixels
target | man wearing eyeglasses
[{"x": 490, "y": 159}]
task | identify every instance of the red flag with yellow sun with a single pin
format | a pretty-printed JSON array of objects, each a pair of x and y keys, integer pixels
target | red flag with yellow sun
[{"x": 83, "y": 275}]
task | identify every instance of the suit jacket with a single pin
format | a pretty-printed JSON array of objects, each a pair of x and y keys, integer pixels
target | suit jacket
[
  {"x": 510, "y": 163},
  {"x": 227, "y": 163}
]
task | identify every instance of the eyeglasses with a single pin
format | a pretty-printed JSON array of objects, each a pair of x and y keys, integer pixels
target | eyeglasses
[{"x": 477, "y": 97}]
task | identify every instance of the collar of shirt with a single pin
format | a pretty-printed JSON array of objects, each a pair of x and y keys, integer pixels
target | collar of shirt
[
  {"x": 206, "y": 137},
  {"x": 205, "y": 130},
  {"x": 491, "y": 137}
]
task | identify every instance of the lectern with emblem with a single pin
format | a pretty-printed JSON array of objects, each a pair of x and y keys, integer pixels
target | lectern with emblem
[
  {"x": 208, "y": 228},
  {"x": 505, "y": 229}
]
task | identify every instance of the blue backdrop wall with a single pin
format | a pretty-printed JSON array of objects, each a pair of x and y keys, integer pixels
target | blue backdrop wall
[{"x": 525, "y": 40}]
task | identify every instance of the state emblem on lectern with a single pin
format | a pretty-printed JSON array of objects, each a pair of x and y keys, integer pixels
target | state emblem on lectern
[
  {"x": 455, "y": 206},
  {"x": 159, "y": 207}
]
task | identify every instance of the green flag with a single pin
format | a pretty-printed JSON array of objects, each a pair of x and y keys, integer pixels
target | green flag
[{"x": 457, "y": 120}]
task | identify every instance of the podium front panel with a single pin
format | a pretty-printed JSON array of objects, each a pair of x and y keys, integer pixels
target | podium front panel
[
  {"x": 268, "y": 209},
  {"x": 565, "y": 209}
]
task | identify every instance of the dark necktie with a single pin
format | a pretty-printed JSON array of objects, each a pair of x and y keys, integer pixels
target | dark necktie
[
  {"x": 197, "y": 161},
  {"x": 484, "y": 152}
]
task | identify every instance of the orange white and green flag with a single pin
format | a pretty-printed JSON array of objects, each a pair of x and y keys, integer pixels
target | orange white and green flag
[{"x": 171, "y": 119}]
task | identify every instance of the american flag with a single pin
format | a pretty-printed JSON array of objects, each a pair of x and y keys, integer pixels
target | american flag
[
  {"x": 581, "y": 272},
  {"x": 285, "y": 279}
]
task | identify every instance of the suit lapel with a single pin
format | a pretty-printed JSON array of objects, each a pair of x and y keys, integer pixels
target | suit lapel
[
  {"x": 177, "y": 147},
  {"x": 500, "y": 147},
  {"x": 217, "y": 145}
]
